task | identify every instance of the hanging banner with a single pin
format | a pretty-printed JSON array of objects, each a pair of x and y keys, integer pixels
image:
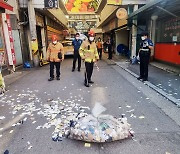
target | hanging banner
[
  {"x": 9, "y": 42},
  {"x": 11, "y": 38},
  {"x": 114, "y": 2}
]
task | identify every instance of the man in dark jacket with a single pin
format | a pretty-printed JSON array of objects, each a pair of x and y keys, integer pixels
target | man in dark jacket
[
  {"x": 110, "y": 46},
  {"x": 76, "y": 43}
]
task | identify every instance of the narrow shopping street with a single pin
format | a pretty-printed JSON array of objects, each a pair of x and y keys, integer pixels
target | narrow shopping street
[
  {"x": 89, "y": 77},
  {"x": 155, "y": 130}
]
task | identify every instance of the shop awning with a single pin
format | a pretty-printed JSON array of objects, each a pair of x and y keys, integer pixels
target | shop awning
[
  {"x": 145, "y": 7},
  {"x": 4, "y": 5}
]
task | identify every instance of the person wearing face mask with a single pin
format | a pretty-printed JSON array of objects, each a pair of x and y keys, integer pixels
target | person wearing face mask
[
  {"x": 144, "y": 55},
  {"x": 89, "y": 54},
  {"x": 55, "y": 55},
  {"x": 76, "y": 43},
  {"x": 99, "y": 44}
]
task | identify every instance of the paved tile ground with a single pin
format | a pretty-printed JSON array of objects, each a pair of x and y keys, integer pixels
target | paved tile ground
[{"x": 117, "y": 90}]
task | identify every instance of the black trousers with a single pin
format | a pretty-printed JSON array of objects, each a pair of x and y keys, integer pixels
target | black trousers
[
  {"x": 57, "y": 65},
  {"x": 77, "y": 56},
  {"x": 109, "y": 53},
  {"x": 88, "y": 71},
  {"x": 100, "y": 53},
  {"x": 144, "y": 62}
]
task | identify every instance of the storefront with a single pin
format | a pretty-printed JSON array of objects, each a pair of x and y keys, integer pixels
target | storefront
[
  {"x": 40, "y": 31},
  {"x": 167, "y": 46},
  {"x": 53, "y": 27},
  {"x": 7, "y": 51},
  {"x": 161, "y": 20},
  {"x": 117, "y": 30}
]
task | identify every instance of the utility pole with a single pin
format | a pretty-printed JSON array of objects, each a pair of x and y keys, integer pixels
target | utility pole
[
  {"x": 32, "y": 27},
  {"x": 32, "y": 20},
  {"x": 134, "y": 34}
]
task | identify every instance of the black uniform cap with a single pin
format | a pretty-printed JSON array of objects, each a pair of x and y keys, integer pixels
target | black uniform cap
[
  {"x": 77, "y": 34},
  {"x": 144, "y": 33}
]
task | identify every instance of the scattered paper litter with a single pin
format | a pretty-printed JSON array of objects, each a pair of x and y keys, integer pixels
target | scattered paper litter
[
  {"x": 33, "y": 122},
  {"x": 30, "y": 147},
  {"x": 25, "y": 119},
  {"x": 38, "y": 127},
  {"x": 0, "y": 135},
  {"x": 128, "y": 106},
  {"x": 133, "y": 116},
  {"x": 141, "y": 117},
  {"x": 2, "y": 117},
  {"x": 87, "y": 145},
  {"x": 11, "y": 131},
  {"x": 28, "y": 143},
  {"x": 130, "y": 110},
  {"x": 168, "y": 153},
  {"x": 156, "y": 129}
]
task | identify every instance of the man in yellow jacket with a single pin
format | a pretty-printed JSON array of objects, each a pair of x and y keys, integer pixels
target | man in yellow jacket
[
  {"x": 55, "y": 55},
  {"x": 89, "y": 54}
]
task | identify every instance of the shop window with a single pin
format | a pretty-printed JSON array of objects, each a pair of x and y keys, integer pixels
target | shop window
[{"x": 168, "y": 31}]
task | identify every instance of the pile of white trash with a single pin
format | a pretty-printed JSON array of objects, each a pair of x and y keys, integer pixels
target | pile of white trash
[{"x": 96, "y": 127}]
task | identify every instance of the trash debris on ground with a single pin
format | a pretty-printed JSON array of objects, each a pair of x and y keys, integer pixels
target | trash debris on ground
[
  {"x": 30, "y": 147},
  {"x": 99, "y": 127},
  {"x": 141, "y": 117},
  {"x": 2, "y": 117},
  {"x": 11, "y": 131},
  {"x": 156, "y": 129},
  {"x": 87, "y": 145},
  {"x": 69, "y": 118}
]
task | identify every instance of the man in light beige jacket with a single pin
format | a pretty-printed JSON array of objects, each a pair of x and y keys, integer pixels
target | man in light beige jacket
[{"x": 55, "y": 55}]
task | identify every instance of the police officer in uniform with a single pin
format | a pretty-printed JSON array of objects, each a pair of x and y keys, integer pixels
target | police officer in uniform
[
  {"x": 76, "y": 43},
  {"x": 144, "y": 55},
  {"x": 89, "y": 54}
]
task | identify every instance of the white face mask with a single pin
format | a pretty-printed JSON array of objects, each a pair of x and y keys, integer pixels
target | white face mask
[
  {"x": 77, "y": 38},
  {"x": 91, "y": 39},
  {"x": 143, "y": 38},
  {"x": 54, "y": 42}
]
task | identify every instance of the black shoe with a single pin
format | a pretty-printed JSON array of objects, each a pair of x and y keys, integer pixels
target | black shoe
[
  {"x": 145, "y": 79},
  {"x": 79, "y": 70},
  {"x": 87, "y": 85},
  {"x": 73, "y": 70},
  {"x": 58, "y": 78},
  {"x": 50, "y": 79},
  {"x": 91, "y": 82},
  {"x": 139, "y": 78}
]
